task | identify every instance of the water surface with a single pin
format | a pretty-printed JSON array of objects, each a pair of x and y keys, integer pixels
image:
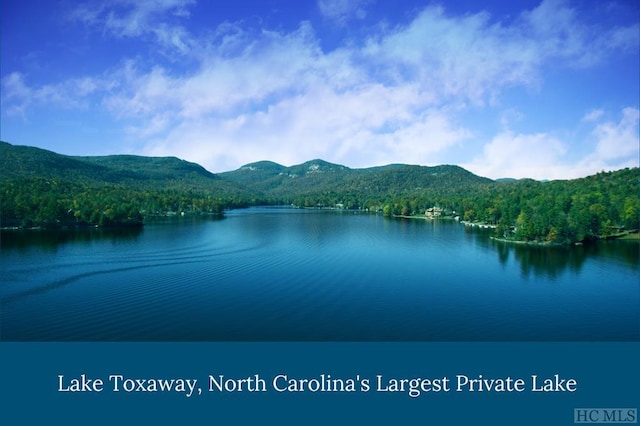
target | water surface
[{"x": 285, "y": 274}]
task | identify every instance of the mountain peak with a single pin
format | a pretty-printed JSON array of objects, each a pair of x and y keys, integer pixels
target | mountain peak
[
  {"x": 263, "y": 166},
  {"x": 316, "y": 166}
]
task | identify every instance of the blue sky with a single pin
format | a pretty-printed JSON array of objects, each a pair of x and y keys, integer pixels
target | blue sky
[{"x": 547, "y": 90}]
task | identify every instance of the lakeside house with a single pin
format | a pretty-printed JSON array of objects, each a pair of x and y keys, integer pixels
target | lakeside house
[{"x": 433, "y": 212}]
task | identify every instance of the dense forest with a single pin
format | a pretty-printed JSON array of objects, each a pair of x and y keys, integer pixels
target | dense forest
[
  {"x": 598, "y": 206},
  {"x": 45, "y": 189},
  {"x": 39, "y": 188}
]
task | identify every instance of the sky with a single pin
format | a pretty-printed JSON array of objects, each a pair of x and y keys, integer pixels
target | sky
[{"x": 538, "y": 89}]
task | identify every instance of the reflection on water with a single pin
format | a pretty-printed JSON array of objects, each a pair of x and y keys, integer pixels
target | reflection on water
[
  {"x": 284, "y": 274},
  {"x": 555, "y": 261},
  {"x": 52, "y": 239}
]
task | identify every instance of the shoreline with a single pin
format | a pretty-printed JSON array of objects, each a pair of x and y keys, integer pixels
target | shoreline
[
  {"x": 481, "y": 225},
  {"x": 422, "y": 217},
  {"x": 73, "y": 228},
  {"x": 633, "y": 236},
  {"x": 533, "y": 243}
]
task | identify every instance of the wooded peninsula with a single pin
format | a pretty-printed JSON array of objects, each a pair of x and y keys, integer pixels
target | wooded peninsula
[{"x": 40, "y": 188}]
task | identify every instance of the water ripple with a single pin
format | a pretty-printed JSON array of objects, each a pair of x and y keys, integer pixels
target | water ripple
[{"x": 313, "y": 276}]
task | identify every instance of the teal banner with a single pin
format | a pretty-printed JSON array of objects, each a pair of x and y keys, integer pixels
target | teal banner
[{"x": 320, "y": 383}]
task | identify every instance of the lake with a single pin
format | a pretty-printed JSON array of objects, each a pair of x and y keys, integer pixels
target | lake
[{"x": 281, "y": 274}]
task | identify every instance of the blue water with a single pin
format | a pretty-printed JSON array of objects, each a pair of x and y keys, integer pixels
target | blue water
[{"x": 282, "y": 274}]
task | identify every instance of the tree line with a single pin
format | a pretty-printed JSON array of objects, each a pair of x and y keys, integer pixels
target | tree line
[
  {"x": 49, "y": 203},
  {"x": 560, "y": 211},
  {"x": 43, "y": 189}
]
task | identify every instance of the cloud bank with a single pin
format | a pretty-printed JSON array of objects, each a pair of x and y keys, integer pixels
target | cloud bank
[{"x": 400, "y": 95}]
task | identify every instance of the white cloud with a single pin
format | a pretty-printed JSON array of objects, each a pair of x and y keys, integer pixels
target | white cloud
[
  {"x": 68, "y": 94},
  {"x": 544, "y": 156},
  {"x": 464, "y": 57},
  {"x": 514, "y": 155},
  {"x": 16, "y": 95},
  {"x": 471, "y": 57},
  {"x": 262, "y": 94},
  {"x": 364, "y": 126},
  {"x": 139, "y": 18},
  {"x": 14, "y": 87},
  {"x": 561, "y": 35},
  {"x": 341, "y": 11},
  {"x": 617, "y": 144},
  {"x": 593, "y": 115}
]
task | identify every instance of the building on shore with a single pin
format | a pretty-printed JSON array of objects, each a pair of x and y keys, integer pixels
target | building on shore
[{"x": 433, "y": 212}]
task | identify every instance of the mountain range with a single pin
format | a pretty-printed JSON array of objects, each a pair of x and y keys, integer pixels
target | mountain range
[
  {"x": 262, "y": 181},
  {"x": 45, "y": 189}
]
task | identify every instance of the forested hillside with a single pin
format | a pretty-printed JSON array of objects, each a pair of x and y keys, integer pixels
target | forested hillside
[
  {"x": 318, "y": 183},
  {"x": 42, "y": 188},
  {"x": 597, "y": 206},
  {"x": 525, "y": 210}
]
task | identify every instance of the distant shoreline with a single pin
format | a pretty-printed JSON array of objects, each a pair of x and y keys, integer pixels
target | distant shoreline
[
  {"x": 632, "y": 235},
  {"x": 530, "y": 243},
  {"x": 422, "y": 217},
  {"x": 124, "y": 225}
]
